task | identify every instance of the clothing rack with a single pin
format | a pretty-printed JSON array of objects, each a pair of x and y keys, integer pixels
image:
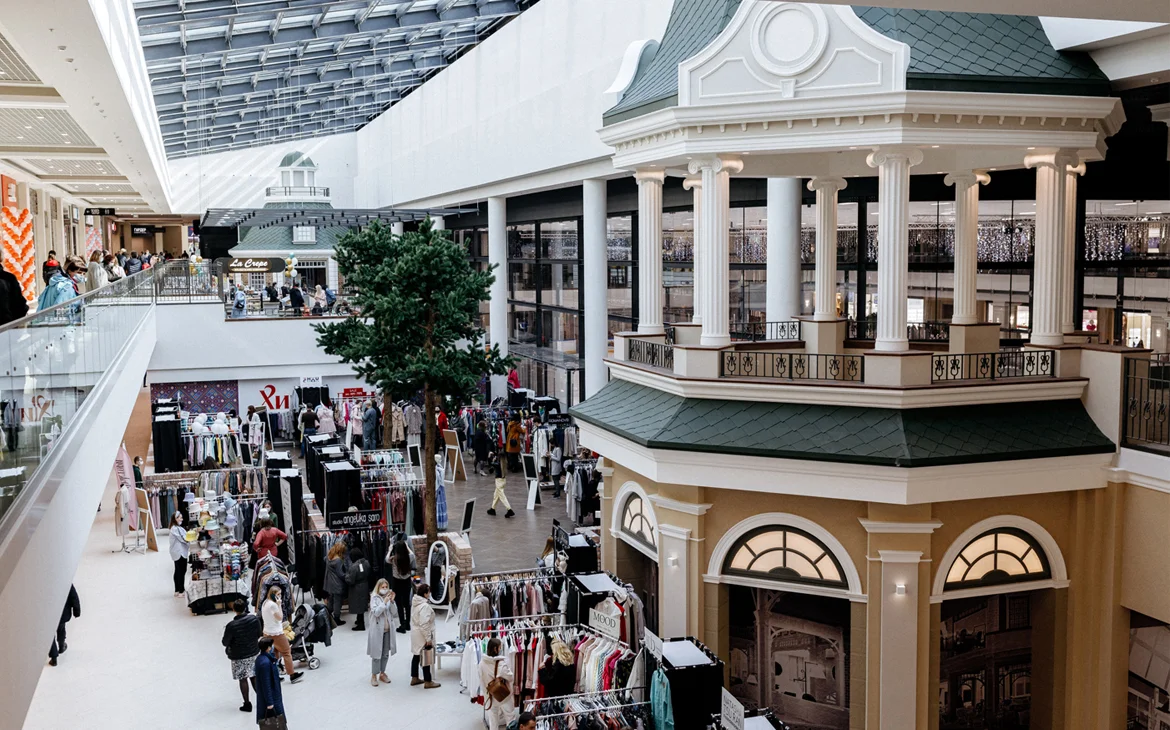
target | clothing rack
[
  {"x": 533, "y": 617},
  {"x": 530, "y": 705},
  {"x": 536, "y": 573},
  {"x": 594, "y": 710}
]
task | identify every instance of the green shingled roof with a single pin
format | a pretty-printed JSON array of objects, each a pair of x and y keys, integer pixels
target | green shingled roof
[
  {"x": 948, "y": 51},
  {"x": 278, "y": 237},
  {"x": 881, "y": 436}
]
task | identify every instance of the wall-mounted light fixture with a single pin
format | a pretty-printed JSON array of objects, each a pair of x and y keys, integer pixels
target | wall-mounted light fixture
[
  {"x": 672, "y": 561},
  {"x": 900, "y": 589}
]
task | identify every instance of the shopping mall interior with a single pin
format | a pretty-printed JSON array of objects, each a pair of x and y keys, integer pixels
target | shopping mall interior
[{"x": 816, "y": 342}]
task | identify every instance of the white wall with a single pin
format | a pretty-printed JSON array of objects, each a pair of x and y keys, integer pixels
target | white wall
[
  {"x": 527, "y": 100},
  {"x": 195, "y": 344},
  {"x": 237, "y": 179}
]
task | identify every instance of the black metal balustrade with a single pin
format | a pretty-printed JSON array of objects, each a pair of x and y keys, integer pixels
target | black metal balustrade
[
  {"x": 653, "y": 354},
  {"x": 757, "y": 331},
  {"x": 1146, "y": 423},
  {"x": 792, "y": 366},
  {"x": 291, "y": 190},
  {"x": 915, "y": 331},
  {"x": 1001, "y": 365}
]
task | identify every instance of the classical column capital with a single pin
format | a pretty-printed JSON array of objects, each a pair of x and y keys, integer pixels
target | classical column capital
[
  {"x": 828, "y": 184},
  {"x": 693, "y": 182},
  {"x": 730, "y": 165},
  {"x": 642, "y": 175},
  {"x": 1078, "y": 169},
  {"x": 1059, "y": 159},
  {"x": 882, "y": 155},
  {"x": 967, "y": 178}
]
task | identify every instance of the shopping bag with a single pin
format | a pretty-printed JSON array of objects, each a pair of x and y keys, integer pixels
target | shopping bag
[{"x": 275, "y": 722}]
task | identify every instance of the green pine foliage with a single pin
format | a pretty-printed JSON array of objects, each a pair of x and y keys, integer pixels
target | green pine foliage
[{"x": 415, "y": 327}]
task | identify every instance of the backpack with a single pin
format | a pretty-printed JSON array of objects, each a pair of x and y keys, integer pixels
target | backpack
[{"x": 499, "y": 688}]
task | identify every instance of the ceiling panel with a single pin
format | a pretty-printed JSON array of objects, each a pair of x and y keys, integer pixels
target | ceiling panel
[
  {"x": 97, "y": 187},
  {"x": 89, "y": 168},
  {"x": 42, "y": 127},
  {"x": 227, "y": 75},
  {"x": 12, "y": 66}
]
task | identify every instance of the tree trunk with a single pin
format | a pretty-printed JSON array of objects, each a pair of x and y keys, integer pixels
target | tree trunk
[{"x": 428, "y": 460}]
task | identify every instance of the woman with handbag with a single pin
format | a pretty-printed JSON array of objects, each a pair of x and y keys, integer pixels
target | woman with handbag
[
  {"x": 380, "y": 642},
  {"x": 272, "y": 616},
  {"x": 358, "y": 579},
  {"x": 422, "y": 637},
  {"x": 269, "y": 703},
  {"x": 336, "y": 566},
  {"x": 496, "y": 678}
]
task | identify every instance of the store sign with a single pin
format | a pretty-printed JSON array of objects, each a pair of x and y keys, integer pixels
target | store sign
[
  {"x": 312, "y": 381},
  {"x": 356, "y": 393},
  {"x": 272, "y": 401},
  {"x": 355, "y": 519},
  {"x": 652, "y": 643},
  {"x": 563, "y": 419},
  {"x": 608, "y": 625},
  {"x": 141, "y": 230},
  {"x": 731, "y": 717},
  {"x": 238, "y": 265},
  {"x": 99, "y": 211}
]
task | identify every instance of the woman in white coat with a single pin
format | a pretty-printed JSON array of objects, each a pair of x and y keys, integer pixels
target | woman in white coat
[
  {"x": 499, "y": 712},
  {"x": 380, "y": 635},
  {"x": 422, "y": 636}
]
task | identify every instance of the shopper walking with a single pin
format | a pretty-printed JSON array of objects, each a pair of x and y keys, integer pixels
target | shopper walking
[
  {"x": 335, "y": 585},
  {"x": 403, "y": 565},
  {"x": 481, "y": 444},
  {"x": 268, "y": 539},
  {"x": 422, "y": 637},
  {"x": 357, "y": 577},
  {"x": 381, "y": 642},
  {"x": 180, "y": 550},
  {"x": 95, "y": 274},
  {"x": 496, "y": 678},
  {"x": 272, "y": 616},
  {"x": 515, "y": 442},
  {"x": 133, "y": 264},
  {"x": 51, "y": 267},
  {"x": 241, "y": 639},
  {"x": 60, "y": 288},
  {"x": 309, "y": 423},
  {"x": 72, "y": 610},
  {"x": 499, "y": 497},
  {"x": 269, "y": 702},
  {"x": 114, "y": 270},
  {"x": 296, "y": 300}
]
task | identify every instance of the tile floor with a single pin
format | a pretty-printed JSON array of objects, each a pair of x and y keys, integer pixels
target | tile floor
[{"x": 137, "y": 658}]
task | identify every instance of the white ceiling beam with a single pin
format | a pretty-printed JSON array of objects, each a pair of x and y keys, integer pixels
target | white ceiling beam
[
  {"x": 54, "y": 152},
  {"x": 13, "y": 96}
]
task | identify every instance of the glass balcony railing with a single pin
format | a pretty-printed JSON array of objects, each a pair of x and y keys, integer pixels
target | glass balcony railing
[{"x": 51, "y": 362}]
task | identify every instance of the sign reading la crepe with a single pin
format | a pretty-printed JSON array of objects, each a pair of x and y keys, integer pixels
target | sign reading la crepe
[{"x": 239, "y": 265}]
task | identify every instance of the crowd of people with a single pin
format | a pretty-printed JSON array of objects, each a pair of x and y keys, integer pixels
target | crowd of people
[{"x": 290, "y": 298}]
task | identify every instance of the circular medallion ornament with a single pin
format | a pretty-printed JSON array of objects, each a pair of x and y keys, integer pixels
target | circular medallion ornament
[{"x": 789, "y": 38}]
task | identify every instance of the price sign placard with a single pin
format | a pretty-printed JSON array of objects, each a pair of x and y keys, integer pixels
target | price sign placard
[
  {"x": 653, "y": 644},
  {"x": 732, "y": 715},
  {"x": 605, "y": 624},
  {"x": 354, "y": 520}
]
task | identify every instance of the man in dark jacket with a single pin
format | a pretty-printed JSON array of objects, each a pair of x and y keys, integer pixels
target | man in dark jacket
[
  {"x": 241, "y": 638},
  {"x": 50, "y": 267},
  {"x": 13, "y": 305},
  {"x": 133, "y": 264},
  {"x": 72, "y": 610},
  {"x": 296, "y": 300}
]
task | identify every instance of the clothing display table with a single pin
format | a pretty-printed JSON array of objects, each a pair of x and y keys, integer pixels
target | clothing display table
[{"x": 204, "y": 595}]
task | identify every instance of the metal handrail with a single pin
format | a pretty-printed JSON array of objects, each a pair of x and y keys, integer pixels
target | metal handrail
[
  {"x": 1002, "y": 365},
  {"x": 1146, "y": 420},
  {"x": 296, "y": 190},
  {"x": 784, "y": 331},
  {"x": 789, "y": 365},
  {"x": 131, "y": 281},
  {"x": 653, "y": 354}
]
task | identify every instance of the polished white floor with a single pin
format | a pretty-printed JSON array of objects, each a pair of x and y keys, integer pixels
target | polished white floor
[{"x": 137, "y": 658}]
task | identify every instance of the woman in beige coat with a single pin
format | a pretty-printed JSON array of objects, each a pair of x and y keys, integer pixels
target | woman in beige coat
[
  {"x": 422, "y": 637},
  {"x": 380, "y": 636}
]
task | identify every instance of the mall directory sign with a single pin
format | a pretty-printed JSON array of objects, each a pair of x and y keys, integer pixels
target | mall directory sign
[{"x": 247, "y": 265}]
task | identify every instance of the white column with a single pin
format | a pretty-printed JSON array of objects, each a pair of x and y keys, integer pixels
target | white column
[
  {"x": 596, "y": 285},
  {"x": 440, "y": 224},
  {"x": 713, "y": 240},
  {"x": 893, "y": 164},
  {"x": 1070, "y": 321},
  {"x": 396, "y": 228},
  {"x": 1048, "y": 279},
  {"x": 497, "y": 210},
  {"x": 899, "y": 639},
  {"x": 966, "y": 243},
  {"x": 826, "y": 273},
  {"x": 650, "y": 251},
  {"x": 331, "y": 274},
  {"x": 694, "y": 183},
  {"x": 782, "y": 285}
]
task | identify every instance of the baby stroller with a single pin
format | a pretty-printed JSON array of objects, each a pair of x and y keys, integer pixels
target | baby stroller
[{"x": 310, "y": 625}]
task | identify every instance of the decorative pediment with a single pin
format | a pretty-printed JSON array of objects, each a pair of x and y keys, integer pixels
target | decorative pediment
[{"x": 771, "y": 51}]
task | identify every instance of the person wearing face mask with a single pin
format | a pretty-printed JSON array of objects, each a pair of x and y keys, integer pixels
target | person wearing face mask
[
  {"x": 380, "y": 620},
  {"x": 61, "y": 286},
  {"x": 269, "y": 702},
  {"x": 180, "y": 549},
  {"x": 273, "y": 617}
]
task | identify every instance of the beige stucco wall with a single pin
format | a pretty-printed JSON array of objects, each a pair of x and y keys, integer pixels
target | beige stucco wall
[{"x": 1145, "y": 577}]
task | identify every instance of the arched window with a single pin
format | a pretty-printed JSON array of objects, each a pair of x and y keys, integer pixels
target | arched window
[
  {"x": 636, "y": 523},
  {"x": 784, "y": 553},
  {"x": 1003, "y": 555}
]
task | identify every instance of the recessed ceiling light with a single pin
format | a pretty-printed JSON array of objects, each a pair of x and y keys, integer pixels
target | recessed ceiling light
[
  {"x": 20, "y": 136},
  {"x": 934, "y": 147},
  {"x": 40, "y": 116},
  {"x": 68, "y": 142},
  {"x": 64, "y": 134},
  {"x": 28, "y": 126},
  {"x": 1031, "y": 148}
]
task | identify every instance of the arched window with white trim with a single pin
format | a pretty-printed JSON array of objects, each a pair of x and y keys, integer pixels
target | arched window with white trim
[
  {"x": 785, "y": 553},
  {"x": 636, "y": 523},
  {"x": 1002, "y": 555}
]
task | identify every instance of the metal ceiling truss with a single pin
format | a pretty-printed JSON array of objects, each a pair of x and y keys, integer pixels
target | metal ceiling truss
[{"x": 227, "y": 74}]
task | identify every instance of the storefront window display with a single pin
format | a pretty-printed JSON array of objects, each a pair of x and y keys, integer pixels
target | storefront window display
[
  {"x": 1148, "y": 692},
  {"x": 621, "y": 273}
]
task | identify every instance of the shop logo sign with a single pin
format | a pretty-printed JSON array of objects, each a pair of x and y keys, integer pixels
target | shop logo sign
[
  {"x": 38, "y": 410},
  {"x": 272, "y": 401},
  {"x": 607, "y": 625}
]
